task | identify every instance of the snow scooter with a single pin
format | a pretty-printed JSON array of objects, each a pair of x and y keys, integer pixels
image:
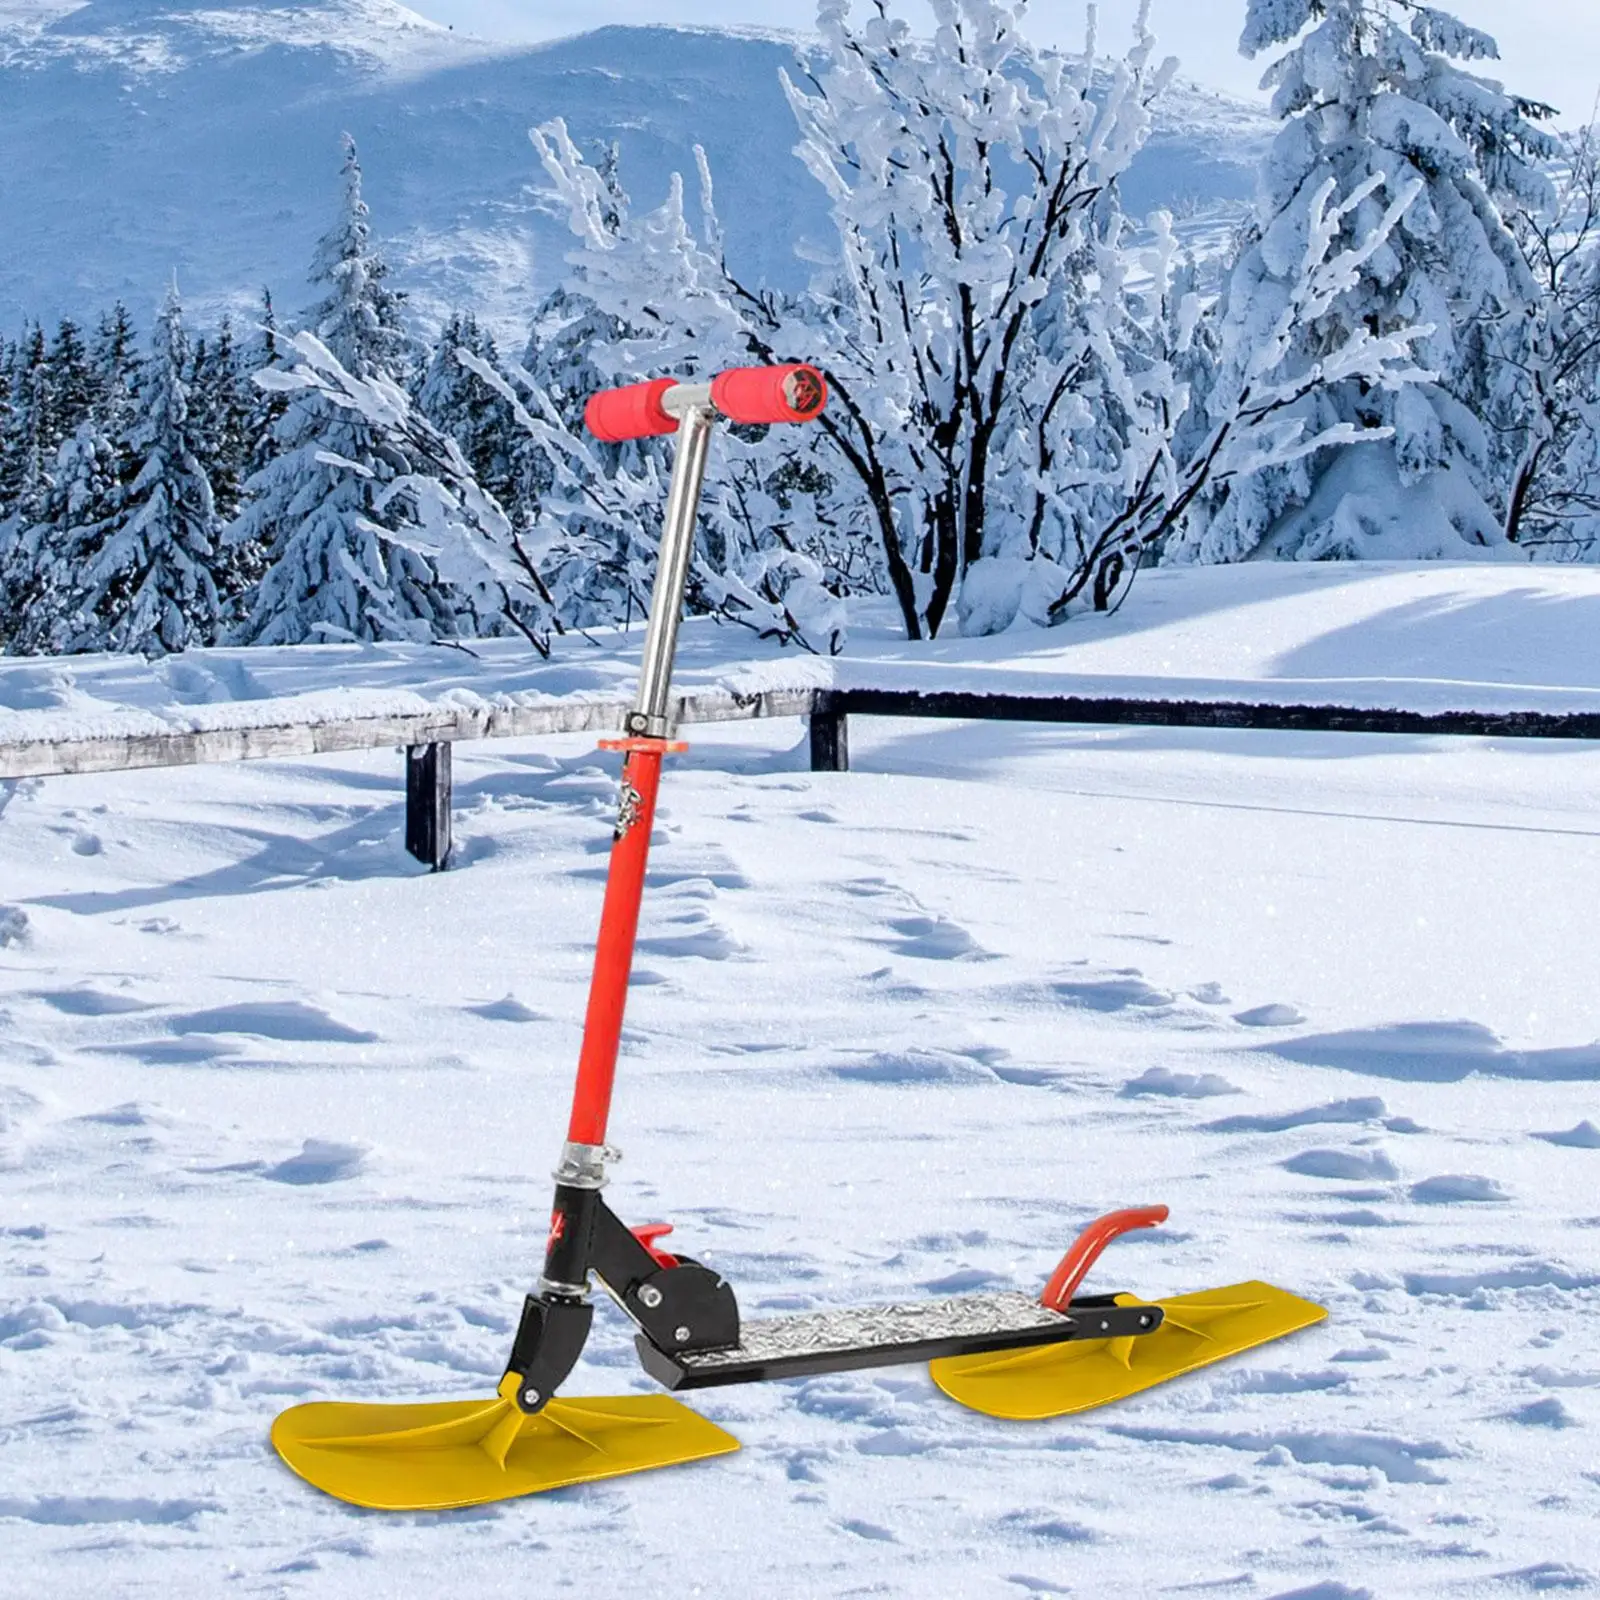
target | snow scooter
[{"x": 1008, "y": 1354}]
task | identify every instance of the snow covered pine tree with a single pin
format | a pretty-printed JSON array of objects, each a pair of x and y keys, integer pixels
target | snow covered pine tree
[
  {"x": 317, "y": 506},
  {"x": 139, "y": 578},
  {"x": 433, "y": 507},
  {"x": 75, "y": 483},
  {"x": 476, "y": 417},
  {"x": 1364, "y": 97}
]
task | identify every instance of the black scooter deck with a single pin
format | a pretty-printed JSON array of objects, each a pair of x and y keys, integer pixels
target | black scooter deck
[{"x": 891, "y": 1335}]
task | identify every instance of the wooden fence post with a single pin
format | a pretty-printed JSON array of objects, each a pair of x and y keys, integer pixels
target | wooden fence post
[
  {"x": 830, "y": 737},
  {"x": 428, "y": 803}
]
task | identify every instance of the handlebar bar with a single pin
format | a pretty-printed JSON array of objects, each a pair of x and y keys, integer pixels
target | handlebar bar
[{"x": 794, "y": 392}]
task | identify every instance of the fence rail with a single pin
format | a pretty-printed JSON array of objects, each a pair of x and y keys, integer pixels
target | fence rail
[
  {"x": 428, "y": 736},
  {"x": 965, "y": 705},
  {"x": 115, "y": 751}
]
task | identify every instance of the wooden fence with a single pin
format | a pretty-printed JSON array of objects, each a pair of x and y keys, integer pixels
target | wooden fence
[{"x": 428, "y": 736}]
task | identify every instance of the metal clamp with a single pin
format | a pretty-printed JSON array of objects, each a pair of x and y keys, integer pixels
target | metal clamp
[{"x": 583, "y": 1166}]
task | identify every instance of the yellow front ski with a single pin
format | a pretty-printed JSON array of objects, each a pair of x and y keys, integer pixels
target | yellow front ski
[
  {"x": 1054, "y": 1380},
  {"x": 450, "y": 1453}
]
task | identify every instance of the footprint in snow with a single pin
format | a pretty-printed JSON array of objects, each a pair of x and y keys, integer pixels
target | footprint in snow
[
  {"x": 1247, "y": 1380},
  {"x": 1361, "y": 1217},
  {"x": 1560, "y": 1377},
  {"x": 506, "y": 1009},
  {"x": 192, "y": 1050},
  {"x": 1438, "y": 1052},
  {"x": 91, "y": 1002},
  {"x": 1122, "y": 991},
  {"x": 1583, "y": 1137},
  {"x": 290, "y": 1020},
  {"x": 868, "y": 888},
  {"x": 71, "y": 1511},
  {"x": 130, "y": 1114},
  {"x": 916, "y": 1066},
  {"x": 1399, "y": 1460},
  {"x": 703, "y": 938},
  {"x": 1347, "y": 1166},
  {"x": 868, "y": 1530},
  {"x": 319, "y": 1161},
  {"x": 1455, "y": 1188},
  {"x": 311, "y": 1560},
  {"x": 1364, "y": 1108},
  {"x": 966, "y": 1280},
  {"x": 1177, "y": 1085},
  {"x": 1325, "y": 1591},
  {"x": 1550, "y": 1575},
  {"x": 936, "y": 939},
  {"x": 1276, "y": 1015},
  {"x": 1047, "y": 1525},
  {"x": 1546, "y": 1413},
  {"x": 1519, "y": 1275}
]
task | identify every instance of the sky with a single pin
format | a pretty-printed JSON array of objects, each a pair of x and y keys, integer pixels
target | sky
[{"x": 1550, "y": 49}]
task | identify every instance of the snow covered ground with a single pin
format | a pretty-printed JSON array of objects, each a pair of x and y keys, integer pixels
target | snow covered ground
[{"x": 277, "y": 1110}]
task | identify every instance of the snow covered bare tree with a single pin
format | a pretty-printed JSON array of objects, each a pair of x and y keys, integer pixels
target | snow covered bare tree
[
  {"x": 965, "y": 177},
  {"x": 1255, "y": 418},
  {"x": 1547, "y": 411},
  {"x": 649, "y": 295}
]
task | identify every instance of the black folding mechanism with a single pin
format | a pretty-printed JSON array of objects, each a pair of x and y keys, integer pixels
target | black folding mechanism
[{"x": 691, "y": 1336}]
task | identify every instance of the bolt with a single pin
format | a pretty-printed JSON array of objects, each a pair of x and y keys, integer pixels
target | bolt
[
  {"x": 681, "y": 1335},
  {"x": 650, "y": 1296},
  {"x": 530, "y": 1398},
  {"x": 1104, "y": 1325}
]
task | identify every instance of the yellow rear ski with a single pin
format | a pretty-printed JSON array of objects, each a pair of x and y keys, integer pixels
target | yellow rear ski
[
  {"x": 452, "y": 1453},
  {"x": 1054, "y": 1380}
]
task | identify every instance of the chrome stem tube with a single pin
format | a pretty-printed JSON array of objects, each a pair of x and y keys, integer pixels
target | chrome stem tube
[{"x": 649, "y": 718}]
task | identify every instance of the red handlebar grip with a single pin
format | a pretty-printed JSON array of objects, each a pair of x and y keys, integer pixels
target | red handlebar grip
[
  {"x": 794, "y": 393},
  {"x": 634, "y": 412}
]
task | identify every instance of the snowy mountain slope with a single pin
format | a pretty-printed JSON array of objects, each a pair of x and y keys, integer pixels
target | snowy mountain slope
[{"x": 143, "y": 137}]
